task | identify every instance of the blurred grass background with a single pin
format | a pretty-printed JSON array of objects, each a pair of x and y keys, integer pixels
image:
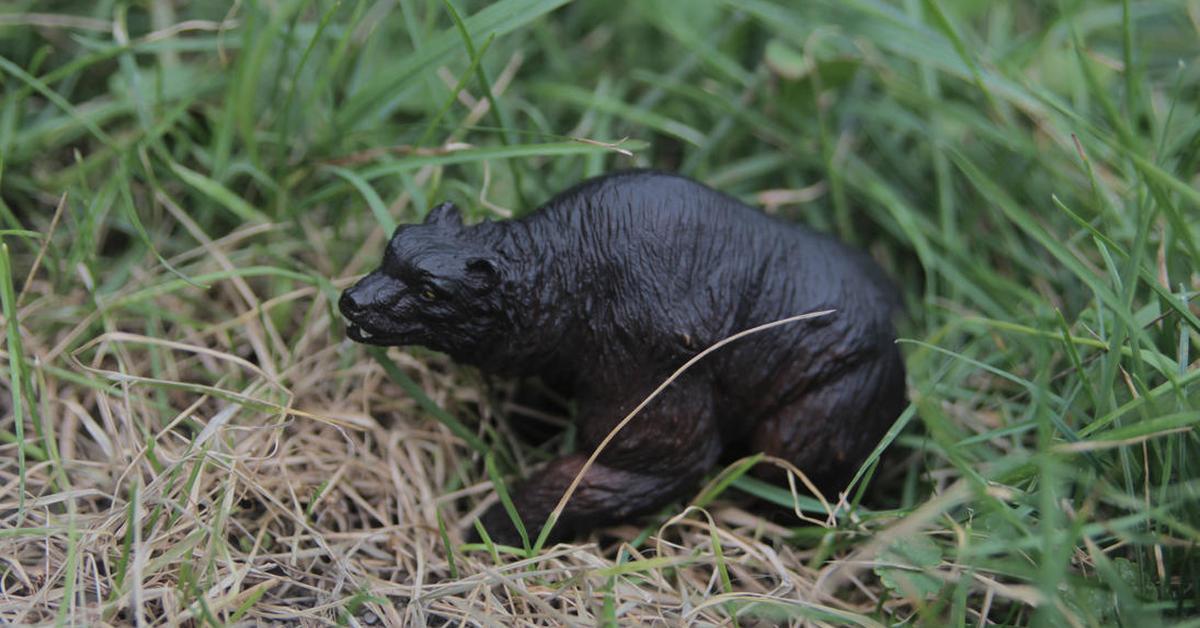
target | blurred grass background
[{"x": 186, "y": 185}]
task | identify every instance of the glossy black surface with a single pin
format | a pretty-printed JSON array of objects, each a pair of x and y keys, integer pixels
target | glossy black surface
[{"x": 614, "y": 284}]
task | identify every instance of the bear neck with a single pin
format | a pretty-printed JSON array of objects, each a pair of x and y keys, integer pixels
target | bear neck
[{"x": 539, "y": 298}]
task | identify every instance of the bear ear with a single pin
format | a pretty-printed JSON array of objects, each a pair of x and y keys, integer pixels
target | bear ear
[
  {"x": 445, "y": 214},
  {"x": 484, "y": 271}
]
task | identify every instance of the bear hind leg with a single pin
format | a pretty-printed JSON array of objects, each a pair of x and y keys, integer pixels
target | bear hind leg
[{"x": 829, "y": 431}]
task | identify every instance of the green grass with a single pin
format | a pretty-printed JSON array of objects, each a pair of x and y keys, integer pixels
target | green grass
[{"x": 186, "y": 434}]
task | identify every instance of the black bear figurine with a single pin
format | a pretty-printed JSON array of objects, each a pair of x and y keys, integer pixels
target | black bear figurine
[{"x": 610, "y": 287}]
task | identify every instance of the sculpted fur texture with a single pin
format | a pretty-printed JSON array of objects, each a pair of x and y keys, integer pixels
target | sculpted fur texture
[{"x": 610, "y": 287}]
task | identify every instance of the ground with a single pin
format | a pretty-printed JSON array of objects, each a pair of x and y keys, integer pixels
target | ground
[{"x": 188, "y": 437}]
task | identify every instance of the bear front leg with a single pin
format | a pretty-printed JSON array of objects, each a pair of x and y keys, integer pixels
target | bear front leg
[{"x": 660, "y": 455}]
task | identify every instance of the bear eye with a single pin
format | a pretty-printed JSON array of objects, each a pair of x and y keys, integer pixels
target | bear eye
[{"x": 428, "y": 294}]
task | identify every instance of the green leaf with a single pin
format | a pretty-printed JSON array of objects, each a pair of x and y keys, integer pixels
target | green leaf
[
  {"x": 218, "y": 193},
  {"x": 905, "y": 565},
  {"x": 499, "y": 18}
]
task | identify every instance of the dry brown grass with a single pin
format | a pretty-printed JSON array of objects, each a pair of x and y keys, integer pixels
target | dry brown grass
[{"x": 257, "y": 466}]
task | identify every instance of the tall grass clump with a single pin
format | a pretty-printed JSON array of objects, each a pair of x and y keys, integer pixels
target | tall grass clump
[{"x": 186, "y": 435}]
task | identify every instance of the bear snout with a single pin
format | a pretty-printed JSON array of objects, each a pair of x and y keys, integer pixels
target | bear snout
[
  {"x": 350, "y": 304},
  {"x": 372, "y": 291}
]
